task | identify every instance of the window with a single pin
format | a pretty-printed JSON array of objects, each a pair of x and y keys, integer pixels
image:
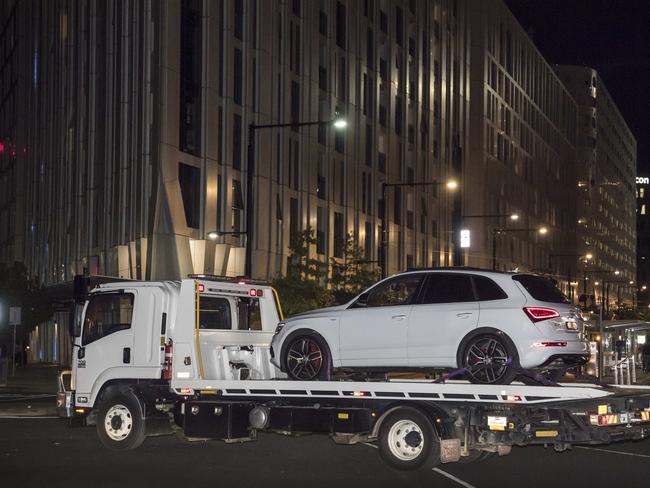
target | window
[
  {"x": 237, "y": 205},
  {"x": 295, "y": 103},
  {"x": 541, "y": 288},
  {"x": 399, "y": 26},
  {"x": 190, "y": 83},
  {"x": 236, "y": 141},
  {"x": 237, "y": 89},
  {"x": 214, "y": 313},
  {"x": 448, "y": 288},
  {"x": 320, "y": 230},
  {"x": 293, "y": 220},
  {"x": 340, "y": 25},
  {"x": 486, "y": 289},
  {"x": 249, "y": 316},
  {"x": 189, "y": 179},
  {"x": 339, "y": 240},
  {"x": 106, "y": 314},
  {"x": 397, "y": 291},
  {"x": 322, "y": 23},
  {"x": 367, "y": 250},
  {"x": 239, "y": 20}
]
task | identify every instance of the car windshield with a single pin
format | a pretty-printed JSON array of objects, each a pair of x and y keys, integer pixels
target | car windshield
[{"x": 542, "y": 289}]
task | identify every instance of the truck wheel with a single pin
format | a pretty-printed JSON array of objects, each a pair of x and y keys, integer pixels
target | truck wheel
[
  {"x": 307, "y": 358},
  {"x": 407, "y": 440},
  {"x": 120, "y": 424}
]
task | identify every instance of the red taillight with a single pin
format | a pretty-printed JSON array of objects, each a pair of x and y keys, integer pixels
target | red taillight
[
  {"x": 540, "y": 313},
  {"x": 167, "y": 366}
]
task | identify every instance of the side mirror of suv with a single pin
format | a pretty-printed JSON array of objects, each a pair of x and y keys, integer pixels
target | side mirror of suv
[{"x": 74, "y": 323}]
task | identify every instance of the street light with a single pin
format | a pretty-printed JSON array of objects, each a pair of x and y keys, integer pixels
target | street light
[
  {"x": 338, "y": 122},
  {"x": 539, "y": 230},
  {"x": 214, "y": 234},
  {"x": 451, "y": 185}
]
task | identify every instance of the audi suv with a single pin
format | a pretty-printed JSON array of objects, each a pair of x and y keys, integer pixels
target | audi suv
[{"x": 488, "y": 323}]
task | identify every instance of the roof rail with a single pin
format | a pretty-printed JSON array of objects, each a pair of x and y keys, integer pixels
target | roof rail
[{"x": 459, "y": 268}]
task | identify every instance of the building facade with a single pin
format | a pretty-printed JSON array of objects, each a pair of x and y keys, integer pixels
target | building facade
[
  {"x": 137, "y": 129},
  {"x": 605, "y": 187},
  {"x": 643, "y": 241},
  {"x": 522, "y": 151}
]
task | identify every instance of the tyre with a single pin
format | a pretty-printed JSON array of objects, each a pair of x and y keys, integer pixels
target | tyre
[
  {"x": 307, "y": 357},
  {"x": 489, "y": 359},
  {"x": 120, "y": 424},
  {"x": 407, "y": 440}
]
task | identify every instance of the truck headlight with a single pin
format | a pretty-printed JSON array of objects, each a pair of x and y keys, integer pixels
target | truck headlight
[{"x": 279, "y": 327}]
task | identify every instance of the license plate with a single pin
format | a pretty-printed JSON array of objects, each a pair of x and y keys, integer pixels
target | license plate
[{"x": 571, "y": 325}]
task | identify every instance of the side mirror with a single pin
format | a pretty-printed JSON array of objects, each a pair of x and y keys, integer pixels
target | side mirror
[
  {"x": 362, "y": 301},
  {"x": 74, "y": 322}
]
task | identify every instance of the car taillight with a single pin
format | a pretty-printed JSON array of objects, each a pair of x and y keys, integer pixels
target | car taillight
[
  {"x": 536, "y": 314},
  {"x": 167, "y": 366}
]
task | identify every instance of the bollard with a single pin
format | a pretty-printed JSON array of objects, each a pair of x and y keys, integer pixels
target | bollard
[
  {"x": 633, "y": 370},
  {"x": 615, "y": 373},
  {"x": 627, "y": 365}
]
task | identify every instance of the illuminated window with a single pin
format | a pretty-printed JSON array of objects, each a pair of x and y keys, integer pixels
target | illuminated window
[
  {"x": 642, "y": 192},
  {"x": 643, "y": 209}
]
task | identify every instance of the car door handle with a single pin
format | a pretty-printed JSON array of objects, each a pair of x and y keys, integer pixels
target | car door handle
[
  {"x": 126, "y": 355},
  {"x": 463, "y": 315},
  {"x": 399, "y": 317}
]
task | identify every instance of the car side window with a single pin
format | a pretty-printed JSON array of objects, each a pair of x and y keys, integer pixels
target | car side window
[
  {"x": 398, "y": 291},
  {"x": 448, "y": 288},
  {"x": 214, "y": 313},
  {"x": 106, "y": 314},
  {"x": 486, "y": 289}
]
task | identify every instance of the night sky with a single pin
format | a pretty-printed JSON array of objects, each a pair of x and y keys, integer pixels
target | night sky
[{"x": 612, "y": 36}]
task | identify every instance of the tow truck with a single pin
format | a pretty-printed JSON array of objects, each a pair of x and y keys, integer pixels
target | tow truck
[{"x": 193, "y": 357}]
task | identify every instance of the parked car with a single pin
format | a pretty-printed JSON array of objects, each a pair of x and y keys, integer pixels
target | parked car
[{"x": 490, "y": 323}]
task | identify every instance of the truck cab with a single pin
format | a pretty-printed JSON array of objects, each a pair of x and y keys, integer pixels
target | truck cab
[{"x": 168, "y": 333}]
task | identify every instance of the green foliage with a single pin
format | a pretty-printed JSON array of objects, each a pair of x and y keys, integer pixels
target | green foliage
[
  {"x": 303, "y": 288},
  {"x": 354, "y": 274},
  {"x": 308, "y": 284},
  {"x": 18, "y": 289}
]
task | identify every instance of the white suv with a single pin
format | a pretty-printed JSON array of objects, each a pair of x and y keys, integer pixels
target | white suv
[{"x": 489, "y": 323}]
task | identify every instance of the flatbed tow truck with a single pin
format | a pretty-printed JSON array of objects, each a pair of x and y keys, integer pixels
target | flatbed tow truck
[{"x": 193, "y": 356}]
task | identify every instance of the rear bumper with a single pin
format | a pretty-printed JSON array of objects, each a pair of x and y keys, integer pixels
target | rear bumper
[{"x": 565, "y": 361}]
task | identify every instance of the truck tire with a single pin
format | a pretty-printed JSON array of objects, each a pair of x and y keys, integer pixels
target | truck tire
[
  {"x": 120, "y": 423},
  {"x": 407, "y": 440}
]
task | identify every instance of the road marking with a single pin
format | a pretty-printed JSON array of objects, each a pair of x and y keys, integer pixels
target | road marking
[
  {"x": 437, "y": 470},
  {"x": 453, "y": 478},
  {"x": 29, "y": 417},
  {"x": 614, "y": 452}
]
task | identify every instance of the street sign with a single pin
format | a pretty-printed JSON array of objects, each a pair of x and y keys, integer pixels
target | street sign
[
  {"x": 464, "y": 238},
  {"x": 14, "y": 315}
]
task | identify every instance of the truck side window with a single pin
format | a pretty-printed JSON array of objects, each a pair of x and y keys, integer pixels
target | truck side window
[
  {"x": 250, "y": 317},
  {"x": 214, "y": 313},
  {"x": 107, "y": 313}
]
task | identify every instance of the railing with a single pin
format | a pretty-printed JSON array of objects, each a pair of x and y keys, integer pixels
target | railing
[{"x": 625, "y": 371}]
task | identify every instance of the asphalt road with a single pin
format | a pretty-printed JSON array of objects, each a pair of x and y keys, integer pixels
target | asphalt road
[{"x": 46, "y": 452}]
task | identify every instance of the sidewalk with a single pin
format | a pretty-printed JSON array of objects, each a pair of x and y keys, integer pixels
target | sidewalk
[{"x": 31, "y": 392}]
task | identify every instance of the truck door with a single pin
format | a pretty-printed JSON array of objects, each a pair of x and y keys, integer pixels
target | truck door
[{"x": 106, "y": 343}]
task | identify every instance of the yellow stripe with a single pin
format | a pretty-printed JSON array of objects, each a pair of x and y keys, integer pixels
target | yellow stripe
[
  {"x": 277, "y": 303},
  {"x": 197, "y": 322},
  {"x": 546, "y": 433}
]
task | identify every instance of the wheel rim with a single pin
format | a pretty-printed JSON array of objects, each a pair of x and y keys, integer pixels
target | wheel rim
[
  {"x": 487, "y": 360},
  {"x": 118, "y": 422},
  {"x": 405, "y": 440},
  {"x": 304, "y": 359}
]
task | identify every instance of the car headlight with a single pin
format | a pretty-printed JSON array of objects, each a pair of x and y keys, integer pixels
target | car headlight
[{"x": 279, "y": 327}]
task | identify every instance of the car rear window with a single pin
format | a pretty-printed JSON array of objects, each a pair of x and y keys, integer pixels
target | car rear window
[
  {"x": 486, "y": 289},
  {"x": 542, "y": 289}
]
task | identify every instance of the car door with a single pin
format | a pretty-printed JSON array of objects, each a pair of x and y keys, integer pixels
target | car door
[
  {"x": 106, "y": 340},
  {"x": 373, "y": 330},
  {"x": 445, "y": 312}
]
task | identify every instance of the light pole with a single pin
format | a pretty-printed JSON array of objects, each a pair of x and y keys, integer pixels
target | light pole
[
  {"x": 539, "y": 230},
  {"x": 583, "y": 257},
  {"x": 451, "y": 185},
  {"x": 337, "y": 122}
]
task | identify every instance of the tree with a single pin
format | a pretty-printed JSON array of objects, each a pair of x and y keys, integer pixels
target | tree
[
  {"x": 304, "y": 287},
  {"x": 354, "y": 274},
  {"x": 18, "y": 289}
]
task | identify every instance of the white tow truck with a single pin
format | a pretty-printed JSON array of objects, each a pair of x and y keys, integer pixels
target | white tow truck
[{"x": 193, "y": 356}]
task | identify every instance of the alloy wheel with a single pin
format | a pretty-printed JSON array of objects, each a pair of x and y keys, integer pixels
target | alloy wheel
[
  {"x": 304, "y": 359},
  {"x": 487, "y": 359}
]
